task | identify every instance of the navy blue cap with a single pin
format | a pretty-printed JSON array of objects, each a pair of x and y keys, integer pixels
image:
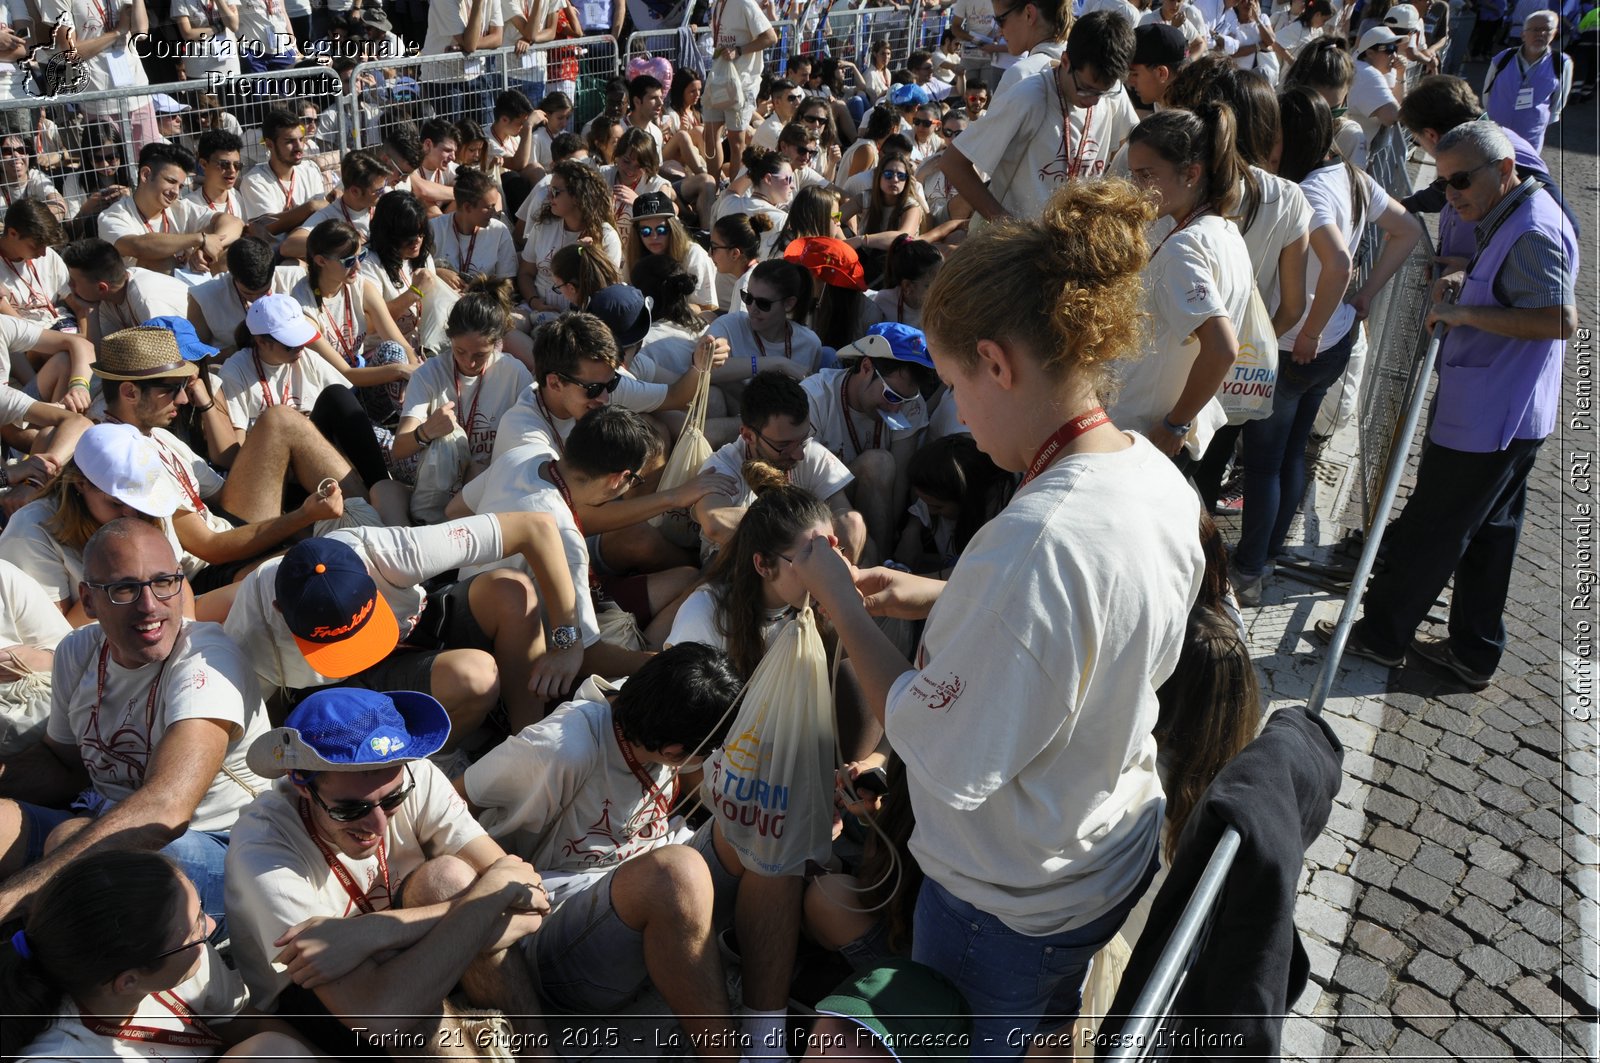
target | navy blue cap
[
  {"x": 331, "y": 605},
  {"x": 625, "y": 311}
]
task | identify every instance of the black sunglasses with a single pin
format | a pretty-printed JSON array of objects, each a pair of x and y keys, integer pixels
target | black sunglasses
[
  {"x": 1459, "y": 181},
  {"x": 216, "y": 937},
  {"x": 760, "y": 303},
  {"x": 922, "y": 123},
  {"x": 596, "y": 389},
  {"x": 815, "y": 119},
  {"x": 350, "y": 811}
]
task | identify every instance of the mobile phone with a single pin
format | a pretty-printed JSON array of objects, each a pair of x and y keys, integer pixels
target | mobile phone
[{"x": 875, "y": 781}]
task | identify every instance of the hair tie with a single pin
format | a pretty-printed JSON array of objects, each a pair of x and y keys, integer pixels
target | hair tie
[{"x": 19, "y": 941}]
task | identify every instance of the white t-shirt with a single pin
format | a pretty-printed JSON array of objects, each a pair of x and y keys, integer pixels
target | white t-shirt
[
  {"x": 669, "y": 349},
  {"x": 1023, "y": 148},
  {"x": 530, "y": 422},
  {"x": 803, "y": 347},
  {"x": 195, "y": 478},
  {"x": 1194, "y": 23},
  {"x": 219, "y": 52},
  {"x": 409, "y": 320},
  {"x": 514, "y": 483},
  {"x": 828, "y": 414},
  {"x": 481, "y": 401},
  {"x": 752, "y": 205},
  {"x": 1069, "y": 608},
  {"x": 28, "y": 617},
  {"x": 1327, "y": 189},
  {"x": 277, "y": 876},
  {"x": 447, "y": 20},
  {"x": 17, "y": 337},
  {"x": 1282, "y": 217},
  {"x": 697, "y": 621},
  {"x": 229, "y": 203},
  {"x": 213, "y": 993},
  {"x": 490, "y": 250},
  {"x": 646, "y": 185},
  {"x": 123, "y": 218},
  {"x": 545, "y": 238},
  {"x": 339, "y": 210},
  {"x": 37, "y": 287},
  {"x": 250, "y": 385},
  {"x": 1350, "y": 142},
  {"x": 655, "y": 14},
  {"x": 266, "y": 22},
  {"x": 977, "y": 16},
  {"x": 1198, "y": 273},
  {"x": 766, "y": 134},
  {"x": 261, "y": 193},
  {"x": 222, "y": 306},
  {"x": 341, "y": 317},
  {"x": 206, "y": 677},
  {"x": 1370, "y": 92},
  {"x": 818, "y": 472},
  {"x": 148, "y": 294},
  {"x": 118, "y": 67},
  {"x": 734, "y": 24},
  {"x": 399, "y": 561},
  {"x": 699, "y": 266},
  {"x": 1041, "y": 56},
  {"x": 560, "y": 795}
]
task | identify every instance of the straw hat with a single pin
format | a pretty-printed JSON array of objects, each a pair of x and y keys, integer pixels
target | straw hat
[{"x": 142, "y": 353}]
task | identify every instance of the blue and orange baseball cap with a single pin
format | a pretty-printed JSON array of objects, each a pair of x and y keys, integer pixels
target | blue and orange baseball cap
[{"x": 331, "y": 605}]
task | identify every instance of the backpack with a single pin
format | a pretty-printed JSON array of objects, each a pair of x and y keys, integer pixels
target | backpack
[{"x": 1500, "y": 61}]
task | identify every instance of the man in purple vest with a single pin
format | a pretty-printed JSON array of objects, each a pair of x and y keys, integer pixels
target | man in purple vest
[
  {"x": 1527, "y": 87},
  {"x": 1496, "y": 401}
]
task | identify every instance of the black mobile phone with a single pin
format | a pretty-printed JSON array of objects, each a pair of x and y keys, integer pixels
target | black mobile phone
[{"x": 875, "y": 781}]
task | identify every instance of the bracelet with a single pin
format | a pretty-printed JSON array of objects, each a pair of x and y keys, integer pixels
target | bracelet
[
  {"x": 754, "y": 368},
  {"x": 416, "y": 291},
  {"x": 422, "y": 440},
  {"x": 78, "y": 382},
  {"x": 1175, "y": 429},
  {"x": 207, "y": 408}
]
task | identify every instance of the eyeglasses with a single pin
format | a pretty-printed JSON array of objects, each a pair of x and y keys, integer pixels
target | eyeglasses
[
  {"x": 164, "y": 387},
  {"x": 761, "y": 303},
  {"x": 228, "y": 164},
  {"x": 655, "y": 230},
  {"x": 922, "y": 123},
  {"x": 597, "y": 388},
  {"x": 815, "y": 119},
  {"x": 7, "y": 152},
  {"x": 350, "y": 811},
  {"x": 1092, "y": 93},
  {"x": 557, "y": 190},
  {"x": 1000, "y": 19},
  {"x": 897, "y": 176},
  {"x": 721, "y": 247},
  {"x": 1460, "y": 181},
  {"x": 889, "y": 394},
  {"x": 1387, "y": 49},
  {"x": 634, "y": 479},
  {"x": 950, "y": 134},
  {"x": 128, "y": 591},
  {"x": 349, "y": 261},
  {"x": 214, "y": 938},
  {"x": 793, "y": 446},
  {"x": 796, "y": 98},
  {"x": 807, "y": 154}
]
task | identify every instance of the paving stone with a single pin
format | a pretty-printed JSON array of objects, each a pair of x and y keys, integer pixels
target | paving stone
[
  {"x": 1462, "y": 748},
  {"x": 1377, "y": 942},
  {"x": 1543, "y": 852},
  {"x": 1532, "y": 955},
  {"x": 1438, "y": 934},
  {"x": 1384, "y": 805},
  {"x": 1538, "y": 920},
  {"x": 1489, "y": 964},
  {"x": 1439, "y": 863},
  {"x": 1321, "y": 919},
  {"x": 1491, "y": 887},
  {"x": 1502, "y": 769},
  {"x": 1338, "y": 890},
  {"x": 1395, "y": 841},
  {"x": 1446, "y": 832},
  {"x": 1533, "y": 1037},
  {"x": 1304, "y": 1039},
  {"x": 1544, "y": 738},
  {"x": 1487, "y": 854},
  {"x": 1468, "y": 1040},
  {"x": 1361, "y": 976},
  {"x": 1397, "y": 750},
  {"x": 1323, "y": 958},
  {"x": 1543, "y": 793},
  {"x": 1497, "y": 740},
  {"x": 1327, "y": 851},
  {"x": 1421, "y": 887},
  {"x": 1482, "y": 920},
  {"x": 1373, "y": 868},
  {"x": 1462, "y": 808},
  {"x": 1423, "y": 1011},
  {"x": 1536, "y": 763},
  {"x": 1540, "y": 884},
  {"x": 1368, "y": 1022},
  {"x": 1447, "y": 719},
  {"x": 1503, "y": 797},
  {"x": 1502, "y": 827},
  {"x": 1460, "y": 776},
  {"x": 1535, "y": 995},
  {"x": 1408, "y": 783},
  {"x": 1385, "y": 909},
  {"x": 1363, "y": 767},
  {"x": 1583, "y": 850},
  {"x": 1500, "y": 720},
  {"x": 1347, "y": 822},
  {"x": 1436, "y": 973},
  {"x": 1412, "y": 1045},
  {"x": 1484, "y": 1004},
  {"x": 1420, "y": 733}
]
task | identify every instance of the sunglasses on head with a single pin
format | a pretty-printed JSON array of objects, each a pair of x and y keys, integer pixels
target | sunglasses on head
[
  {"x": 761, "y": 303},
  {"x": 595, "y": 389},
  {"x": 655, "y": 230},
  {"x": 350, "y": 811}
]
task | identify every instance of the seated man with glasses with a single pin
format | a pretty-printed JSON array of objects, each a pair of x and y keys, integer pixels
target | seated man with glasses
[
  {"x": 786, "y": 100},
  {"x": 775, "y": 428},
  {"x": 150, "y": 717},
  {"x": 1062, "y": 124},
  {"x": 362, "y": 891}
]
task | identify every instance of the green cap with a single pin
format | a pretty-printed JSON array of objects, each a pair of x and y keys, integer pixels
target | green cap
[{"x": 913, "y": 1010}]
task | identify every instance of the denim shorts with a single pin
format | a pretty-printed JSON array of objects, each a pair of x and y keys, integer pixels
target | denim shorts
[{"x": 1016, "y": 985}]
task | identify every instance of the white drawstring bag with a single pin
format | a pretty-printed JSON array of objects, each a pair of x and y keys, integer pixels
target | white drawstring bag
[
  {"x": 1247, "y": 390},
  {"x": 771, "y": 784},
  {"x": 436, "y": 307},
  {"x": 724, "y": 89},
  {"x": 24, "y": 710},
  {"x": 683, "y": 464},
  {"x": 440, "y": 474}
]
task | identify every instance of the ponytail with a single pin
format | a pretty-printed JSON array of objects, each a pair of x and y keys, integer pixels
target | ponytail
[
  {"x": 1184, "y": 138},
  {"x": 484, "y": 308}
]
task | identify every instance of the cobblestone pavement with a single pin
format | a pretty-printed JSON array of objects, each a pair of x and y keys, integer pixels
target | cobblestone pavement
[{"x": 1449, "y": 908}]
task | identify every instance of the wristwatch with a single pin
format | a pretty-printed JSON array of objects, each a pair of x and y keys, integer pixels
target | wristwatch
[{"x": 564, "y": 637}]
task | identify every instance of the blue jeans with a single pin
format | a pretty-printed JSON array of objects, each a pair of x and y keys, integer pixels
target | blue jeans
[
  {"x": 1275, "y": 453},
  {"x": 1014, "y": 984}
]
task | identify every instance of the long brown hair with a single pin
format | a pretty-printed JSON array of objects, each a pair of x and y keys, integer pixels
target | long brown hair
[
  {"x": 71, "y": 524},
  {"x": 882, "y": 214},
  {"x": 588, "y": 188},
  {"x": 780, "y": 512}
]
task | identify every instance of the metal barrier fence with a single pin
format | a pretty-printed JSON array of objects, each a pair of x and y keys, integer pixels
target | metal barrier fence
[
  {"x": 456, "y": 87},
  {"x": 850, "y": 34}
]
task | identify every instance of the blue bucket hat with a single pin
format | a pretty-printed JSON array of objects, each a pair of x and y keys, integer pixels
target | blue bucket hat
[
  {"x": 908, "y": 93},
  {"x": 350, "y": 729},
  {"x": 189, "y": 344}
]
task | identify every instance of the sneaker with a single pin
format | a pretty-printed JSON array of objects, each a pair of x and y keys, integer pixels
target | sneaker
[
  {"x": 1247, "y": 590},
  {"x": 1438, "y": 652},
  {"x": 1230, "y": 501},
  {"x": 1354, "y": 646}
]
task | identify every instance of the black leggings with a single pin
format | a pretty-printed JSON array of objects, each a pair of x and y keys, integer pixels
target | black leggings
[{"x": 338, "y": 416}]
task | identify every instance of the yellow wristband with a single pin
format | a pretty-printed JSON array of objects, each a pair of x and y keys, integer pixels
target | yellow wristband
[
  {"x": 78, "y": 382},
  {"x": 416, "y": 291}
]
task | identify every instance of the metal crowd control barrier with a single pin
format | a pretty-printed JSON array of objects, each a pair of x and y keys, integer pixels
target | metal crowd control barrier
[
  {"x": 457, "y": 87},
  {"x": 776, "y": 56},
  {"x": 850, "y": 34},
  {"x": 681, "y": 46}
]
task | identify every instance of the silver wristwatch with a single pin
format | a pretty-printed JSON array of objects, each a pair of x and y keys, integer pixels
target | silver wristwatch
[{"x": 565, "y": 637}]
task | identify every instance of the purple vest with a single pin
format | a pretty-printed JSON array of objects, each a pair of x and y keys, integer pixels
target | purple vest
[
  {"x": 1510, "y": 83},
  {"x": 1493, "y": 389}
]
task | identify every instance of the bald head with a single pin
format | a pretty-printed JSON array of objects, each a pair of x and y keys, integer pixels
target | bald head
[{"x": 107, "y": 554}]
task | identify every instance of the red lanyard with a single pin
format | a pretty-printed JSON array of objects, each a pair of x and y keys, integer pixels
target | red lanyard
[
  {"x": 166, "y": 221},
  {"x": 105, "y": 27},
  {"x": 36, "y": 295},
  {"x": 345, "y": 211},
  {"x": 660, "y": 810},
  {"x": 1064, "y": 435},
  {"x": 472, "y": 413},
  {"x": 553, "y": 474},
  {"x": 1074, "y": 161},
  {"x": 288, "y": 190},
  {"x": 112, "y": 748},
  {"x": 788, "y": 340},
  {"x": 464, "y": 265},
  {"x": 358, "y": 896},
  {"x": 347, "y": 341},
  {"x": 849, "y": 422},
  {"x": 174, "y": 465},
  {"x": 227, "y": 203},
  {"x": 716, "y": 23},
  {"x": 266, "y": 393},
  {"x": 555, "y": 433},
  {"x": 1182, "y": 225},
  {"x": 202, "y": 1037}
]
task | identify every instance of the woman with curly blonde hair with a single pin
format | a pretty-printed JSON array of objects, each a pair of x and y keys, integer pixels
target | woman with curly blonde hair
[
  {"x": 577, "y": 207},
  {"x": 1026, "y": 723}
]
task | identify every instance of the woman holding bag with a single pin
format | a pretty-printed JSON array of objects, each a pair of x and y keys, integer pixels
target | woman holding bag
[
  {"x": 740, "y": 31},
  {"x": 1027, "y": 739}
]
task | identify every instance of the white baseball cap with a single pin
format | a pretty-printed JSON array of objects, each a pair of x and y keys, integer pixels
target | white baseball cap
[
  {"x": 1374, "y": 37},
  {"x": 126, "y": 464},
  {"x": 1403, "y": 17},
  {"x": 280, "y": 317},
  {"x": 165, "y": 104}
]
